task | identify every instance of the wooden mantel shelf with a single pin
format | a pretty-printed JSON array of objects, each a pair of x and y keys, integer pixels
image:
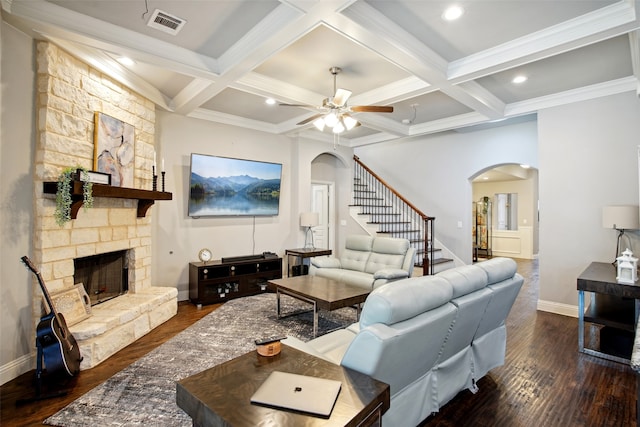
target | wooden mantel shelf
[{"x": 146, "y": 198}]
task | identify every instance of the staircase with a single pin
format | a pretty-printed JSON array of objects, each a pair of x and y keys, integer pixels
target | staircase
[{"x": 381, "y": 210}]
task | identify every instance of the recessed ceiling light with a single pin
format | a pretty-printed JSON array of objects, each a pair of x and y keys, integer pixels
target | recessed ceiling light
[
  {"x": 452, "y": 13},
  {"x": 485, "y": 177},
  {"x": 525, "y": 166},
  {"x": 519, "y": 79},
  {"x": 270, "y": 101},
  {"x": 124, "y": 60}
]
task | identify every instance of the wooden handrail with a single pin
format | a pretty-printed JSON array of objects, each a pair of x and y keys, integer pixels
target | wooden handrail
[
  {"x": 393, "y": 190},
  {"x": 410, "y": 214}
]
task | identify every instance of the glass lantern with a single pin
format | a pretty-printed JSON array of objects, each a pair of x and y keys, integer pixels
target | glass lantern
[{"x": 627, "y": 268}]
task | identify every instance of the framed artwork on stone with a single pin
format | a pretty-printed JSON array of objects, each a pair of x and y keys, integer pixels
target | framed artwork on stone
[{"x": 114, "y": 151}]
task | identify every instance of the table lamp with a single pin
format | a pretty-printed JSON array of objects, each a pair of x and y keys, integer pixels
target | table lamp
[
  {"x": 621, "y": 218},
  {"x": 308, "y": 220}
]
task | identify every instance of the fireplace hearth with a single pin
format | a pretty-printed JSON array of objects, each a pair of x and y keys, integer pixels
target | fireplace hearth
[{"x": 104, "y": 276}]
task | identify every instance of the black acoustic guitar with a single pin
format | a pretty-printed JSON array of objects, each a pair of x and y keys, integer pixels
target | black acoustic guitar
[{"x": 59, "y": 348}]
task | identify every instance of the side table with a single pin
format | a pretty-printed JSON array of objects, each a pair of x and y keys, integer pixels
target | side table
[
  {"x": 613, "y": 305},
  {"x": 301, "y": 254},
  {"x": 220, "y": 396}
]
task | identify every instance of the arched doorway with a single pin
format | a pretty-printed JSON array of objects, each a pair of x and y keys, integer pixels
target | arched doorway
[
  {"x": 328, "y": 194},
  {"x": 505, "y": 211}
]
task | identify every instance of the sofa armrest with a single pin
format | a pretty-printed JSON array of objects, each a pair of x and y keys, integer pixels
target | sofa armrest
[
  {"x": 391, "y": 274},
  {"x": 304, "y": 347},
  {"x": 325, "y": 262}
]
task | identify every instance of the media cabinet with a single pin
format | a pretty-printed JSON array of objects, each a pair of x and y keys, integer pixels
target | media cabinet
[{"x": 218, "y": 281}]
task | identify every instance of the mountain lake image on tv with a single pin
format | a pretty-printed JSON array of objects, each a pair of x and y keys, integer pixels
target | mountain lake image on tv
[{"x": 223, "y": 186}]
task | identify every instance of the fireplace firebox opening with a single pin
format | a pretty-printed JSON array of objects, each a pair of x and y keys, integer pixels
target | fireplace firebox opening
[{"x": 104, "y": 276}]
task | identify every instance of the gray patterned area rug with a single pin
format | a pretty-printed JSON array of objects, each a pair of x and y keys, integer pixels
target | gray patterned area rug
[{"x": 144, "y": 393}]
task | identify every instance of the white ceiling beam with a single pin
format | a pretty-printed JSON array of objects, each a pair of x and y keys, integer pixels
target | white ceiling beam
[
  {"x": 398, "y": 91},
  {"x": 271, "y": 42},
  {"x": 279, "y": 18},
  {"x": 259, "y": 84},
  {"x": 49, "y": 18},
  {"x": 592, "y": 27},
  {"x": 634, "y": 44},
  {"x": 104, "y": 63},
  {"x": 625, "y": 84},
  {"x": 230, "y": 119},
  {"x": 370, "y": 28}
]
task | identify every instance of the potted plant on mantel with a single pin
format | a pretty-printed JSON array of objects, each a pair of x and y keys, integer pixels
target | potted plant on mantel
[{"x": 63, "y": 193}]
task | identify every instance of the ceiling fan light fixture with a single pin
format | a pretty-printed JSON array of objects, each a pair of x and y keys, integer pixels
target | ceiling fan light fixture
[
  {"x": 349, "y": 122},
  {"x": 338, "y": 128},
  {"x": 331, "y": 119},
  {"x": 319, "y": 123}
]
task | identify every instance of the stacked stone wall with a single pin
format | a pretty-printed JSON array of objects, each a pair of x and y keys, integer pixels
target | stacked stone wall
[{"x": 69, "y": 93}]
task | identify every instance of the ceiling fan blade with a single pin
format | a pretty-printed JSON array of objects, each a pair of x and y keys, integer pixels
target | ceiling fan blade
[
  {"x": 310, "y": 119},
  {"x": 297, "y": 105},
  {"x": 372, "y": 109},
  {"x": 341, "y": 97}
]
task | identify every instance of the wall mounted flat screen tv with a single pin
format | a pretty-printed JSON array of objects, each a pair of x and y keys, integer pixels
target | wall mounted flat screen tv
[{"x": 223, "y": 186}]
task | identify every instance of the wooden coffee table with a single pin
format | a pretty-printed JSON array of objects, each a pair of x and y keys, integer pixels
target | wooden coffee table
[
  {"x": 322, "y": 293},
  {"x": 220, "y": 396}
]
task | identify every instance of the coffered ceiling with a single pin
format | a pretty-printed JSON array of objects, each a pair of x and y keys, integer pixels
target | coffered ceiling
[{"x": 230, "y": 55}]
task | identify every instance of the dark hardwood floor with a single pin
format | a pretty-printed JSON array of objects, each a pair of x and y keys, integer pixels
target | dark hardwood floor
[
  {"x": 32, "y": 414},
  {"x": 544, "y": 382}
]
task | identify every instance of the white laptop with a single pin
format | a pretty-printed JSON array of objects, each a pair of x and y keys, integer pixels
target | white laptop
[{"x": 302, "y": 393}]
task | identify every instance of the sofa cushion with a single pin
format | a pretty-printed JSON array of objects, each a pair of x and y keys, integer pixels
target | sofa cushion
[
  {"x": 386, "y": 252},
  {"x": 465, "y": 279},
  {"x": 498, "y": 269},
  {"x": 404, "y": 299},
  {"x": 356, "y": 252},
  {"x": 325, "y": 262}
]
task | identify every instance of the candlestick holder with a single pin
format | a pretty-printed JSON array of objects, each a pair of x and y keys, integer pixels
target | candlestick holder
[
  {"x": 155, "y": 182},
  {"x": 162, "y": 181}
]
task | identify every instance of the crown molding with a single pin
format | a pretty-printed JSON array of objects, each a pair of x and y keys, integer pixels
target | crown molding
[
  {"x": 229, "y": 119},
  {"x": 613, "y": 87},
  {"x": 600, "y": 24}
]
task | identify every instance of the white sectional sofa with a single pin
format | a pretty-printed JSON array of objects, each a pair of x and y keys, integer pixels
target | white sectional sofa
[
  {"x": 368, "y": 261},
  {"x": 427, "y": 337}
]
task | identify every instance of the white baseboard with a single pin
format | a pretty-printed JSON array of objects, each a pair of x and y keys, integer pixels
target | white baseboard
[
  {"x": 17, "y": 367},
  {"x": 558, "y": 308}
]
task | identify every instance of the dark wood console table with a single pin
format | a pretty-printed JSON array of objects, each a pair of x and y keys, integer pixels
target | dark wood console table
[
  {"x": 220, "y": 396},
  {"x": 613, "y": 305},
  {"x": 218, "y": 281}
]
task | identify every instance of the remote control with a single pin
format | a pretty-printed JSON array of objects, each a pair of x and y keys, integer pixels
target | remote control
[{"x": 269, "y": 340}]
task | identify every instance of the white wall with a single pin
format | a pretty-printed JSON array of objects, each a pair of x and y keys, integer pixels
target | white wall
[
  {"x": 588, "y": 159},
  {"x": 433, "y": 172},
  {"x": 17, "y": 144},
  {"x": 177, "y": 238}
]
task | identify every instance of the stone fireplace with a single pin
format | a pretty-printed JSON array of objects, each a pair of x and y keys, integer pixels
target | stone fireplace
[{"x": 69, "y": 92}]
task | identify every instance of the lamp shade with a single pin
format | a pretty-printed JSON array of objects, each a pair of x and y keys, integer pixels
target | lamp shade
[
  {"x": 622, "y": 217},
  {"x": 309, "y": 219}
]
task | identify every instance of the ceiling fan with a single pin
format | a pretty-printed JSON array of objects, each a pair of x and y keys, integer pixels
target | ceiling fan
[{"x": 335, "y": 111}]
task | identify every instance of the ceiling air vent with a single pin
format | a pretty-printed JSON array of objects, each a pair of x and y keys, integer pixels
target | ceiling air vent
[{"x": 165, "y": 22}]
